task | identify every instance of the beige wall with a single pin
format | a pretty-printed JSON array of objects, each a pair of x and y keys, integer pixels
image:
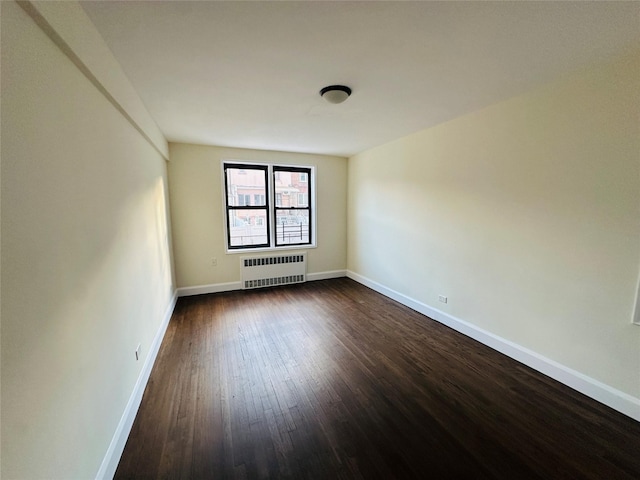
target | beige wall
[
  {"x": 86, "y": 269},
  {"x": 524, "y": 214},
  {"x": 195, "y": 191}
]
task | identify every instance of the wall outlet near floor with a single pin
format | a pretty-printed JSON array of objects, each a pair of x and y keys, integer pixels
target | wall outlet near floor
[
  {"x": 138, "y": 352},
  {"x": 214, "y": 262},
  {"x": 442, "y": 298}
]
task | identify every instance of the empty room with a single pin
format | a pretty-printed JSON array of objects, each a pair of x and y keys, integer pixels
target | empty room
[{"x": 320, "y": 240}]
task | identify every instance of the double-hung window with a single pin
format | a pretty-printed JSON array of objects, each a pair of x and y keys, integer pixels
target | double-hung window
[
  {"x": 292, "y": 208},
  {"x": 247, "y": 223},
  {"x": 268, "y": 206}
]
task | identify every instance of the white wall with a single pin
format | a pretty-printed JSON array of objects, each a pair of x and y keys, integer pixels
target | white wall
[
  {"x": 86, "y": 267},
  {"x": 195, "y": 191},
  {"x": 524, "y": 214}
]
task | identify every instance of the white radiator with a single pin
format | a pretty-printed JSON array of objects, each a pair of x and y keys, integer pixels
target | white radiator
[{"x": 269, "y": 270}]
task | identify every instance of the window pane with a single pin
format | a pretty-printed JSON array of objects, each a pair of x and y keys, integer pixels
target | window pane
[
  {"x": 292, "y": 227},
  {"x": 248, "y": 227},
  {"x": 291, "y": 188},
  {"x": 246, "y": 186}
]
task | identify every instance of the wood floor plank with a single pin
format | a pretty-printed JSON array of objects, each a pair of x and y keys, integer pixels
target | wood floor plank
[{"x": 329, "y": 379}]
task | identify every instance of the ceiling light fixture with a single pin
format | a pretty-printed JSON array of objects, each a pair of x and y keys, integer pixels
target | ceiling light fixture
[{"x": 335, "y": 93}]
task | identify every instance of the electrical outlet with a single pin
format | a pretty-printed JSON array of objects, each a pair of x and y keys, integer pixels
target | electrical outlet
[
  {"x": 138, "y": 352},
  {"x": 214, "y": 262},
  {"x": 442, "y": 298}
]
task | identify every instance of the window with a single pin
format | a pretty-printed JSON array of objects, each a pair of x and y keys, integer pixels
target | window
[
  {"x": 258, "y": 196},
  {"x": 292, "y": 208},
  {"x": 247, "y": 225}
]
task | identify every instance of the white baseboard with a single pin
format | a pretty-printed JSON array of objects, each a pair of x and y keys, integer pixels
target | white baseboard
[
  {"x": 326, "y": 275},
  {"x": 212, "y": 288},
  {"x": 230, "y": 286},
  {"x": 114, "y": 452},
  {"x": 616, "y": 399}
]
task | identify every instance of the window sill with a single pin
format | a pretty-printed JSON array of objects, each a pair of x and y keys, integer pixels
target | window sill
[{"x": 246, "y": 251}]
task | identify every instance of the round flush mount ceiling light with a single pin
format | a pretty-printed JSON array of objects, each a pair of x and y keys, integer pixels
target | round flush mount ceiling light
[{"x": 335, "y": 93}]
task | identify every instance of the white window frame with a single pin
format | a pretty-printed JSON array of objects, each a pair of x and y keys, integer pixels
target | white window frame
[{"x": 270, "y": 195}]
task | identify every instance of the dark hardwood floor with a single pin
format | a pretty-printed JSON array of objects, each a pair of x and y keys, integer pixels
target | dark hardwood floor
[{"x": 329, "y": 380}]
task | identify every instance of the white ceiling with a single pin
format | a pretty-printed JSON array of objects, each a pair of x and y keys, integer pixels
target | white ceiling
[{"x": 247, "y": 74}]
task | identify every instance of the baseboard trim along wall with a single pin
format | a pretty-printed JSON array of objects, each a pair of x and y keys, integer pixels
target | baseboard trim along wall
[
  {"x": 620, "y": 401},
  {"x": 230, "y": 286},
  {"x": 211, "y": 288},
  {"x": 114, "y": 452},
  {"x": 311, "y": 277}
]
